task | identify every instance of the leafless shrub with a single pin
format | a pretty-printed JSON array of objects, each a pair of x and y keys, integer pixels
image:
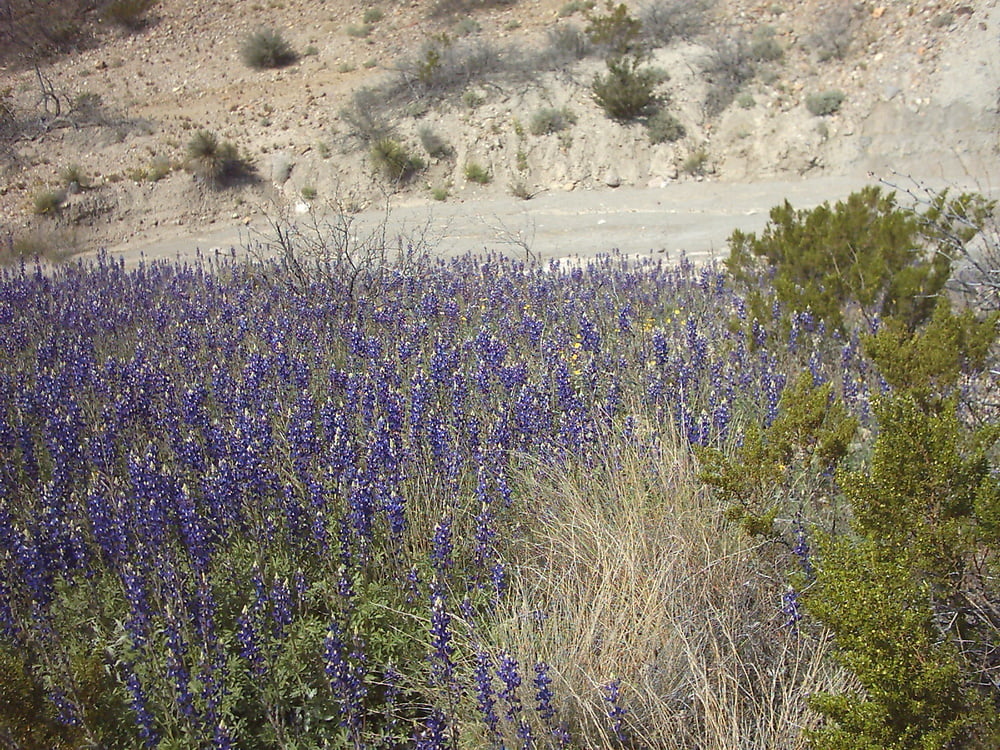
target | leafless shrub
[
  {"x": 729, "y": 65},
  {"x": 449, "y": 8},
  {"x": 567, "y": 43},
  {"x": 664, "y": 21},
  {"x": 443, "y": 67},
  {"x": 968, "y": 231},
  {"x": 834, "y": 33},
  {"x": 366, "y": 117},
  {"x": 335, "y": 247}
]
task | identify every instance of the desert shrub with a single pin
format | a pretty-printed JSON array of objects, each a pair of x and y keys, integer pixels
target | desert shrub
[
  {"x": 373, "y": 15},
  {"x": 763, "y": 46},
  {"x": 728, "y": 66},
  {"x": 358, "y": 31},
  {"x": 439, "y": 193},
  {"x": 445, "y": 8},
  {"x": 615, "y": 32},
  {"x": 435, "y": 146},
  {"x": 626, "y": 92},
  {"x": 73, "y": 175},
  {"x": 566, "y": 44},
  {"x": 393, "y": 161},
  {"x": 864, "y": 253},
  {"x": 443, "y": 66},
  {"x": 47, "y": 202},
  {"x": 834, "y": 33},
  {"x": 476, "y": 172},
  {"x": 664, "y": 21},
  {"x": 551, "y": 120},
  {"x": 366, "y": 118},
  {"x": 825, "y": 102},
  {"x": 745, "y": 100},
  {"x": 129, "y": 13},
  {"x": 218, "y": 163},
  {"x": 267, "y": 49},
  {"x": 663, "y": 127},
  {"x": 467, "y": 26},
  {"x": 696, "y": 163},
  {"x": 575, "y": 6}
]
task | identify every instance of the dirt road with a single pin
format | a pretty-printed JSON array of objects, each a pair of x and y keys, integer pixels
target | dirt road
[{"x": 695, "y": 218}]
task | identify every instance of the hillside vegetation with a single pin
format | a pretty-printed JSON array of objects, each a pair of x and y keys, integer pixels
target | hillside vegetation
[{"x": 334, "y": 104}]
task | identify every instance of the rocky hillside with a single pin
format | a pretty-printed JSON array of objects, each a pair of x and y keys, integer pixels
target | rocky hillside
[{"x": 465, "y": 99}]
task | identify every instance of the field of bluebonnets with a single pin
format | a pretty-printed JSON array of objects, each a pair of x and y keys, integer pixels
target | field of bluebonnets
[{"x": 463, "y": 512}]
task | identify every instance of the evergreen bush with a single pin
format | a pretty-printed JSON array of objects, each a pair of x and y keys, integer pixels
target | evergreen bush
[{"x": 626, "y": 92}]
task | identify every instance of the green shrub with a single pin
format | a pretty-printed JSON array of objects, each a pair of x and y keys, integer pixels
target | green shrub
[
  {"x": 865, "y": 253},
  {"x": 475, "y": 172},
  {"x": 906, "y": 596},
  {"x": 216, "y": 163},
  {"x": 615, "y": 32},
  {"x": 626, "y": 92},
  {"x": 267, "y": 49},
  {"x": 439, "y": 193},
  {"x": 825, "y": 102},
  {"x": 745, "y": 100},
  {"x": 373, "y": 15},
  {"x": 663, "y": 127},
  {"x": 47, "y": 202},
  {"x": 129, "y": 13},
  {"x": 392, "y": 159},
  {"x": 551, "y": 120}
]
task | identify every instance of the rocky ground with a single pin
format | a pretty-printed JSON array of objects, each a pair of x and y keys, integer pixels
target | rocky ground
[{"x": 921, "y": 83}]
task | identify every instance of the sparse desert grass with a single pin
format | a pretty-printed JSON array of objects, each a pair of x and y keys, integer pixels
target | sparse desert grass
[{"x": 696, "y": 163}]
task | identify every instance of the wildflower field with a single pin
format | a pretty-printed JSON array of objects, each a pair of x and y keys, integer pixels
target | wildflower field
[{"x": 490, "y": 506}]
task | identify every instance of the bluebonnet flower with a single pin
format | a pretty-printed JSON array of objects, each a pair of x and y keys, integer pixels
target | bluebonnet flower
[
  {"x": 140, "y": 709},
  {"x": 440, "y": 630},
  {"x": 616, "y": 711},
  {"x": 510, "y": 680},
  {"x": 790, "y": 608}
]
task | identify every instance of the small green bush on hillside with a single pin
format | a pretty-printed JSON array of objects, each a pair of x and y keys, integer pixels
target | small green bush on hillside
[
  {"x": 393, "y": 160},
  {"x": 267, "y": 49},
  {"x": 825, "y": 103},
  {"x": 626, "y": 92},
  {"x": 551, "y": 120},
  {"x": 663, "y": 127},
  {"x": 616, "y": 32}
]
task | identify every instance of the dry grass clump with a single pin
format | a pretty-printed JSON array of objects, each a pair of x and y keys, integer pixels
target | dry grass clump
[{"x": 630, "y": 573}]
